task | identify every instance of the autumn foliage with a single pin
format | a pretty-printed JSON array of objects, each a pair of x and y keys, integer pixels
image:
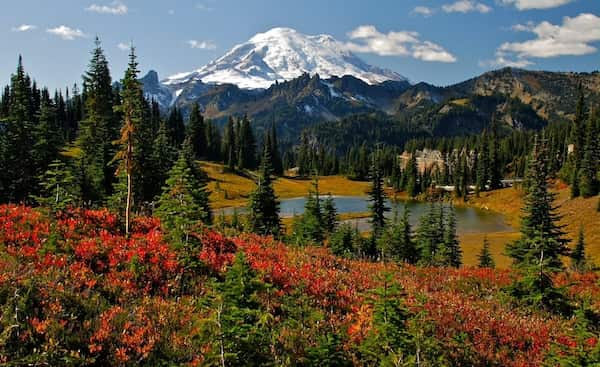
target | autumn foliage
[{"x": 75, "y": 290}]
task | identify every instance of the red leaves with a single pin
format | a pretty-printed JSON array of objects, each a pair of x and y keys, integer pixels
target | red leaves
[{"x": 217, "y": 251}]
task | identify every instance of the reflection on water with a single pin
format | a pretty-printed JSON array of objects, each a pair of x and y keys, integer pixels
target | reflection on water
[{"x": 469, "y": 220}]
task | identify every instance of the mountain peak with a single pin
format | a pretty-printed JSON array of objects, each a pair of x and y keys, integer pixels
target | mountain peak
[{"x": 281, "y": 54}]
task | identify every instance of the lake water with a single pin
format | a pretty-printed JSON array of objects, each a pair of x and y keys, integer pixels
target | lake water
[{"x": 469, "y": 220}]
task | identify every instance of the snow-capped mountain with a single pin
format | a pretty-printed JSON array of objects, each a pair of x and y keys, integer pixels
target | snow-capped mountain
[{"x": 282, "y": 54}]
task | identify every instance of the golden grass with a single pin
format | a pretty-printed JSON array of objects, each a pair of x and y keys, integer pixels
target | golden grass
[
  {"x": 471, "y": 244},
  {"x": 461, "y": 102},
  {"x": 575, "y": 213},
  {"x": 231, "y": 189}
]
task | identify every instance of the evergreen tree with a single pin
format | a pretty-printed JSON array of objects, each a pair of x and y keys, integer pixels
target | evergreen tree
[
  {"x": 176, "y": 127},
  {"x": 243, "y": 337},
  {"x": 453, "y": 253},
  {"x": 330, "y": 217},
  {"x": 303, "y": 162},
  {"x": 163, "y": 157},
  {"x": 47, "y": 134},
  {"x": 264, "y": 206},
  {"x": 274, "y": 150},
  {"x": 537, "y": 254},
  {"x": 495, "y": 167},
  {"x": 377, "y": 198},
  {"x": 411, "y": 173},
  {"x": 98, "y": 129},
  {"x": 430, "y": 235},
  {"x": 309, "y": 227},
  {"x": 246, "y": 158},
  {"x": 578, "y": 257},
  {"x": 541, "y": 236},
  {"x": 196, "y": 132},
  {"x": 485, "y": 256},
  {"x": 588, "y": 178},
  {"x": 132, "y": 109},
  {"x": 342, "y": 241},
  {"x": 213, "y": 142},
  {"x": 19, "y": 174},
  {"x": 388, "y": 343},
  {"x": 229, "y": 150},
  {"x": 58, "y": 187},
  {"x": 180, "y": 205}
]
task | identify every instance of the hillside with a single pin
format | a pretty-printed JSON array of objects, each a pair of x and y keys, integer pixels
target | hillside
[{"x": 79, "y": 292}]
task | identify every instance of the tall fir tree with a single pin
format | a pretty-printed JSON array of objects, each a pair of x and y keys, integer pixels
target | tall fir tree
[
  {"x": 196, "y": 132},
  {"x": 264, "y": 206},
  {"x": 588, "y": 171},
  {"x": 163, "y": 157},
  {"x": 377, "y": 197},
  {"x": 452, "y": 250},
  {"x": 229, "y": 149},
  {"x": 179, "y": 207},
  {"x": 495, "y": 165},
  {"x": 132, "y": 110},
  {"x": 98, "y": 129},
  {"x": 485, "y": 256},
  {"x": 176, "y": 127},
  {"x": 19, "y": 174},
  {"x": 246, "y": 153},
  {"x": 542, "y": 238},
  {"x": 330, "y": 216},
  {"x": 578, "y": 256}
]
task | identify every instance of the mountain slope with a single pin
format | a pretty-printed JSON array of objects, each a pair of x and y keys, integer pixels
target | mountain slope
[{"x": 283, "y": 54}]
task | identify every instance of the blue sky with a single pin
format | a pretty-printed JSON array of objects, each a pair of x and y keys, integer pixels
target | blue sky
[{"x": 440, "y": 42}]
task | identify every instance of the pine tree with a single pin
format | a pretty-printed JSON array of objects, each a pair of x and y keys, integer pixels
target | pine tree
[
  {"x": 388, "y": 342},
  {"x": 264, "y": 206},
  {"x": 274, "y": 150},
  {"x": 176, "y": 127},
  {"x": 588, "y": 178},
  {"x": 180, "y": 205},
  {"x": 578, "y": 257},
  {"x": 246, "y": 156},
  {"x": 132, "y": 110},
  {"x": 411, "y": 173},
  {"x": 58, "y": 187},
  {"x": 98, "y": 129},
  {"x": 243, "y": 338},
  {"x": 485, "y": 256},
  {"x": 537, "y": 254},
  {"x": 163, "y": 157},
  {"x": 541, "y": 236},
  {"x": 196, "y": 132},
  {"x": 330, "y": 217},
  {"x": 377, "y": 198},
  {"x": 430, "y": 235},
  {"x": 452, "y": 250},
  {"x": 309, "y": 228},
  {"x": 229, "y": 150},
  {"x": 47, "y": 133},
  {"x": 19, "y": 175},
  {"x": 342, "y": 241},
  {"x": 495, "y": 166},
  {"x": 213, "y": 142},
  {"x": 303, "y": 161}
]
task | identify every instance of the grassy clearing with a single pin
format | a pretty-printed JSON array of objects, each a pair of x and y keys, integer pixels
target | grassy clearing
[
  {"x": 575, "y": 213},
  {"x": 231, "y": 189}
]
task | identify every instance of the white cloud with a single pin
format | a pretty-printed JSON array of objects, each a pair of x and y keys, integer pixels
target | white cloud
[
  {"x": 574, "y": 37},
  {"x": 114, "y": 8},
  {"x": 203, "y": 45},
  {"x": 423, "y": 10},
  {"x": 502, "y": 61},
  {"x": 466, "y": 6},
  {"x": 368, "y": 39},
  {"x": 535, "y": 4},
  {"x": 24, "y": 28},
  {"x": 123, "y": 46},
  {"x": 203, "y": 7},
  {"x": 66, "y": 33}
]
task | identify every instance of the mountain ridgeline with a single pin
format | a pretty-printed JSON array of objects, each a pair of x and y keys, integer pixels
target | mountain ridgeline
[{"x": 519, "y": 99}]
